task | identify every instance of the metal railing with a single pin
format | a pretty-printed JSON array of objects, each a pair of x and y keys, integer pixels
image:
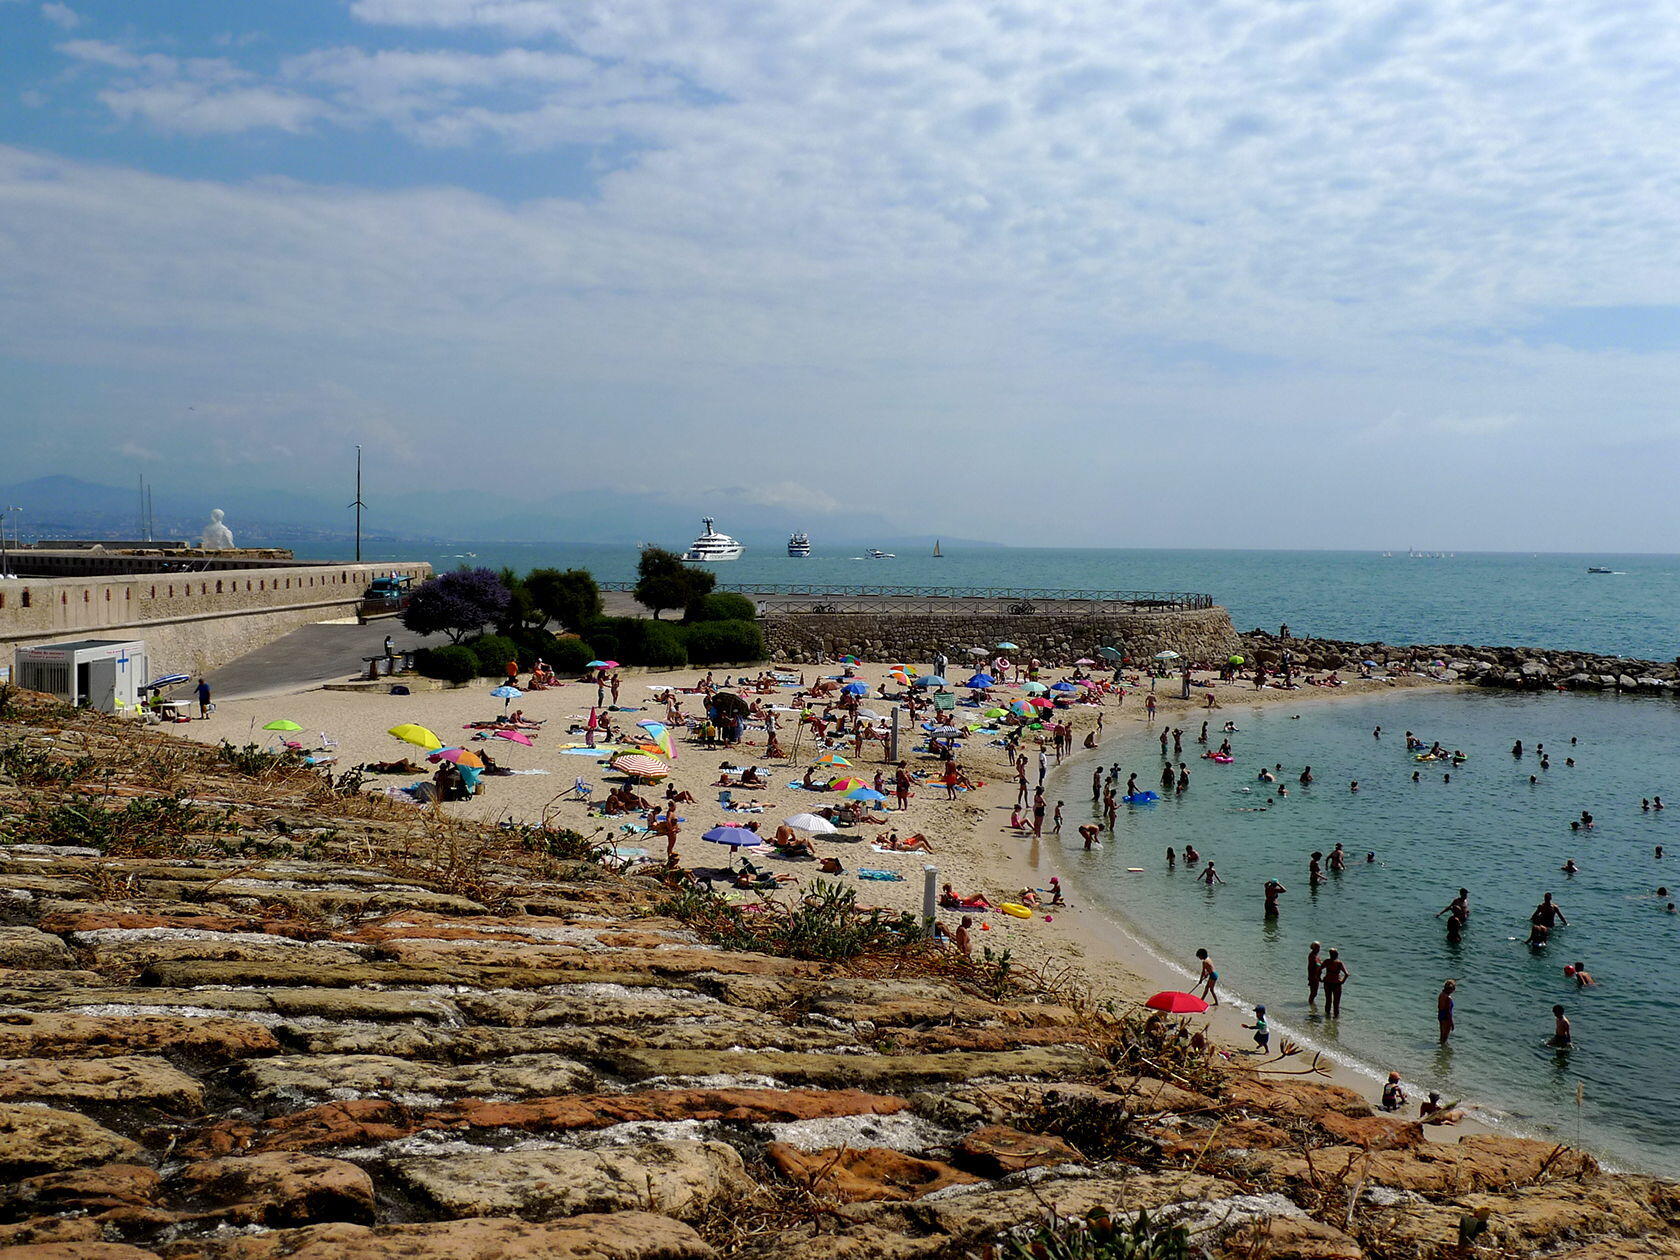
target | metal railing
[{"x": 1012, "y": 601}]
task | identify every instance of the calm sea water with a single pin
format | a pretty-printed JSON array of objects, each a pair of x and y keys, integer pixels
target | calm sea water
[
  {"x": 1537, "y": 601},
  {"x": 1488, "y": 830}
]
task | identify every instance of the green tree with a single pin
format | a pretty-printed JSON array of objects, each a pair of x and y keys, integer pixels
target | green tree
[
  {"x": 522, "y": 611},
  {"x": 664, "y": 581},
  {"x": 569, "y": 597}
]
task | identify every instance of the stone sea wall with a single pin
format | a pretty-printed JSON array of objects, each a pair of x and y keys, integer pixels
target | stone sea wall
[
  {"x": 1203, "y": 634},
  {"x": 1520, "y": 668}
]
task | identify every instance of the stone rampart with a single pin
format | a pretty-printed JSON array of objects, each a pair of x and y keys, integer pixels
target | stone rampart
[
  {"x": 190, "y": 621},
  {"x": 1198, "y": 635}
]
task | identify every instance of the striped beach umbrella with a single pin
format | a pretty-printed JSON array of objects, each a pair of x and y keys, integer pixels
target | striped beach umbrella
[{"x": 640, "y": 766}]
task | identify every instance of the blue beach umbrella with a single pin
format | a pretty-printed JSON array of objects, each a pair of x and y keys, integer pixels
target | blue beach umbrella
[
  {"x": 1062, "y": 686},
  {"x": 929, "y": 680},
  {"x": 865, "y": 794},
  {"x": 856, "y": 689},
  {"x": 980, "y": 680},
  {"x": 507, "y": 695},
  {"x": 735, "y": 837}
]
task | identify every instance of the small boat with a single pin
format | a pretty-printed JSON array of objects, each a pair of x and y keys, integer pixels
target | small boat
[
  {"x": 875, "y": 553},
  {"x": 1597, "y": 569},
  {"x": 799, "y": 543},
  {"x": 937, "y": 554},
  {"x": 712, "y": 546}
]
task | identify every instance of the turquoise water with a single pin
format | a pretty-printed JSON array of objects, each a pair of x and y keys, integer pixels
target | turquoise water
[
  {"x": 1488, "y": 830},
  {"x": 1538, "y": 601}
]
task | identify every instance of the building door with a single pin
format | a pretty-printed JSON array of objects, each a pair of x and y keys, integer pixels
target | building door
[
  {"x": 102, "y": 685},
  {"x": 79, "y": 698}
]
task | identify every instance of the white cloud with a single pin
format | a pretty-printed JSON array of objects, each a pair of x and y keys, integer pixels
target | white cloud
[{"x": 61, "y": 15}]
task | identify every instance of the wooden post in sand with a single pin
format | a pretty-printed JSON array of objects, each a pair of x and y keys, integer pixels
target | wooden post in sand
[{"x": 930, "y": 899}]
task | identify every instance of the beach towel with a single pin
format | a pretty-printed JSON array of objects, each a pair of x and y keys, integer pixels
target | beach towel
[{"x": 887, "y": 875}]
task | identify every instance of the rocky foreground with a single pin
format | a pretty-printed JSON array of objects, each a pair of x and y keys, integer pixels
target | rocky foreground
[{"x": 255, "y": 1017}]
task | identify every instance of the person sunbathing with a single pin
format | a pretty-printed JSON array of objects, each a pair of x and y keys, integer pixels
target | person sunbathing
[
  {"x": 916, "y": 842},
  {"x": 684, "y": 797},
  {"x": 949, "y": 900},
  {"x": 810, "y": 779},
  {"x": 793, "y": 846},
  {"x": 752, "y": 779},
  {"x": 830, "y": 866}
]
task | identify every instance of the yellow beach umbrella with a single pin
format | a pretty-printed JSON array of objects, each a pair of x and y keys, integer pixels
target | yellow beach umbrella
[{"x": 419, "y": 736}]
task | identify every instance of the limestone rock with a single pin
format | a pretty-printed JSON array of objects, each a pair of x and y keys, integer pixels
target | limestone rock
[
  {"x": 289, "y": 1081},
  {"x": 86, "y": 1246},
  {"x": 90, "y": 1190},
  {"x": 864, "y": 1071},
  {"x": 48, "y": 1035},
  {"x": 618, "y": 1236},
  {"x": 867, "y": 1173},
  {"x": 35, "y": 1140},
  {"x": 280, "y": 1188},
  {"x": 1294, "y": 1099},
  {"x": 119, "y": 1079},
  {"x": 679, "y": 1178},
  {"x": 1373, "y": 1132},
  {"x": 1289, "y": 1238},
  {"x": 1475, "y": 1162},
  {"x": 30, "y": 948},
  {"x": 997, "y": 1150}
]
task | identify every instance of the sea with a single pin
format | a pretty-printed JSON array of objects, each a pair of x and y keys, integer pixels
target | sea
[
  {"x": 1476, "y": 598},
  {"x": 1488, "y": 829}
]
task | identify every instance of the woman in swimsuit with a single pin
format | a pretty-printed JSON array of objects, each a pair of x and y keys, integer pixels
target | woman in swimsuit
[
  {"x": 1444, "y": 1009},
  {"x": 1335, "y": 975}
]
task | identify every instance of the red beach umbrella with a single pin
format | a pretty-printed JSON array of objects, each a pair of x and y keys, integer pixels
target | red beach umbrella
[{"x": 1176, "y": 1003}]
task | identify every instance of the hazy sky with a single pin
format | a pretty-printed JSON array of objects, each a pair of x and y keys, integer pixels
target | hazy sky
[{"x": 1222, "y": 272}]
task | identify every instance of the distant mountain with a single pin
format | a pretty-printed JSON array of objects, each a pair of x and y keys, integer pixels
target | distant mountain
[{"x": 68, "y": 507}]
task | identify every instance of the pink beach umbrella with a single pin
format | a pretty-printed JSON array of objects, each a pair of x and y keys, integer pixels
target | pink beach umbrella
[{"x": 517, "y": 737}]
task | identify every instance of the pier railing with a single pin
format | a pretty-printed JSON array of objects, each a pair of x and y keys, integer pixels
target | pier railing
[{"x": 1011, "y": 601}]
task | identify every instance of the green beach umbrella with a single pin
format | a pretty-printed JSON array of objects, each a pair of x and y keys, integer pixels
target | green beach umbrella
[
  {"x": 1236, "y": 660},
  {"x": 281, "y": 724}
]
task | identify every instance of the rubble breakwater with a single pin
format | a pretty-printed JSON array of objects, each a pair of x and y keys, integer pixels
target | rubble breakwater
[
  {"x": 1519, "y": 668},
  {"x": 247, "y": 1013}
]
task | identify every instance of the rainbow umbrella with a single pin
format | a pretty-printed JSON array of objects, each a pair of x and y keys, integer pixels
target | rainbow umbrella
[
  {"x": 459, "y": 757},
  {"x": 281, "y": 725},
  {"x": 846, "y": 784},
  {"x": 419, "y": 736},
  {"x": 660, "y": 734},
  {"x": 832, "y": 759},
  {"x": 850, "y": 660}
]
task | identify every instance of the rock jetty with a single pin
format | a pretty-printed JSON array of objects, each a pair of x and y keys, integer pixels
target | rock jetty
[
  {"x": 248, "y": 1014},
  {"x": 1519, "y": 668}
]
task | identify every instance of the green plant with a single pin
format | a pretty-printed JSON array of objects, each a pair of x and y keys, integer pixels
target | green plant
[
  {"x": 569, "y": 656},
  {"x": 1097, "y": 1236},
  {"x": 661, "y": 646},
  {"x": 493, "y": 652},
  {"x": 824, "y": 924},
  {"x": 724, "y": 642},
  {"x": 664, "y": 581},
  {"x": 721, "y": 606},
  {"x": 561, "y": 843},
  {"x": 36, "y": 767},
  {"x": 254, "y": 759},
  {"x": 454, "y": 664},
  {"x": 569, "y": 597}
]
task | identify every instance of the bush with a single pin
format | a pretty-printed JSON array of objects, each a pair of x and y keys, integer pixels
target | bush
[
  {"x": 722, "y": 606},
  {"x": 605, "y": 643},
  {"x": 493, "y": 652},
  {"x": 662, "y": 646},
  {"x": 454, "y": 664},
  {"x": 456, "y": 604},
  {"x": 569, "y": 656},
  {"x": 724, "y": 642}
]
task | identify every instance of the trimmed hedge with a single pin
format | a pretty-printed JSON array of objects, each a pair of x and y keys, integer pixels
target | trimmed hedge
[
  {"x": 569, "y": 656},
  {"x": 494, "y": 651},
  {"x": 721, "y": 606},
  {"x": 454, "y": 664},
  {"x": 724, "y": 642},
  {"x": 662, "y": 644}
]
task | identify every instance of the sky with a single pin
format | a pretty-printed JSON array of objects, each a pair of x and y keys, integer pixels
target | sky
[{"x": 1270, "y": 273}]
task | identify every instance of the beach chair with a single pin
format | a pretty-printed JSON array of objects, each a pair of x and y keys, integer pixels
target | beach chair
[
  {"x": 579, "y": 789},
  {"x": 725, "y": 796},
  {"x": 944, "y": 702},
  {"x": 327, "y": 742}
]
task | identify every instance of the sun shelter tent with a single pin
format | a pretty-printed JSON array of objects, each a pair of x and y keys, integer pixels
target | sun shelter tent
[{"x": 104, "y": 674}]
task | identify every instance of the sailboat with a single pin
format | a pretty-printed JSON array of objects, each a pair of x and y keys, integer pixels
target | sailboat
[{"x": 937, "y": 554}]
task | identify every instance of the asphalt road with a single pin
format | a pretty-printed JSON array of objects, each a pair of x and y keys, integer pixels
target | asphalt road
[{"x": 310, "y": 656}]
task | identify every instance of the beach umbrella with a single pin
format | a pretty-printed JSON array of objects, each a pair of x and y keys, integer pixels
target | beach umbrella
[
  {"x": 980, "y": 680},
  {"x": 458, "y": 756},
  {"x": 1021, "y": 708},
  {"x": 866, "y": 713},
  {"x": 595, "y": 665},
  {"x": 507, "y": 695},
  {"x": 419, "y": 736},
  {"x": 1034, "y": 688},
  {"x": 168, "y": 680},
  {"x": 932, "y": 680},
  {"x": 640, "y": 766},
  {"x": 865, "y": 794},
  {"x": 1168, "y": 655},
  {"x": 903, "y": 669},
  {"x": 856, "y": 689},
  {"x": 994, "y": 713},
  {"x": 978, "y": 651},
  {"x": 1039, "y": 702},
  {"x": 832, "y": 759},
  {"x": 736, "y": 837},
  {"x": 1062, "y": 686},
  {"x": 513, "y": 737},
  {"x": 1235, "y": 660},
  {"x": 1084, "y": 660},
  {"x": 1009, "y": 647},
  {"x": 846, "y": 783},
  {"x": 814, "y": 823},
  {"x": 1112, "y": 654},
  {"x": 281, "y": 724},
  {"x": 850, "y": 660},
  {"x": 944, "y": 730},
  {"x": 1176, "y": 1003},
  {"x": 1370, "y": 664},
  {"x": 899, "y": 676}
]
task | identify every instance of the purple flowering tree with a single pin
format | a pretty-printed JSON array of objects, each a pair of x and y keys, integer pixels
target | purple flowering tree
[{"x": 458, "y": 604}]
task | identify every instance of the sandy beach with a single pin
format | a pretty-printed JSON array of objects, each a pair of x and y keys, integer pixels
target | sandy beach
[{"x": 974, "y": 847}]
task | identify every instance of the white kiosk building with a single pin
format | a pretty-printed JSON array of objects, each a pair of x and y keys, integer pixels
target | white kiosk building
[{"x": 97, "y": 673}]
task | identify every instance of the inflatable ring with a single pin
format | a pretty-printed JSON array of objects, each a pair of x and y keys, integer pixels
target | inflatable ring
[{"x": 1020, "y": 912}]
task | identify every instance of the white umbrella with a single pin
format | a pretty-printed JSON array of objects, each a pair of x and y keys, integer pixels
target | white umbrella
[
  {"x": 1168, "y": 655},
  {"x": 871, "y": 715},
  {"x": 814, "y": 823},
  {"x": 979, "y": 651}
]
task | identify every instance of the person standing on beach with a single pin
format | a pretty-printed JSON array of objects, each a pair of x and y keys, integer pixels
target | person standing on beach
[
  {"x": 1209, "y": 979},
  {"x": 1315, "y": 970},
  {"x": 1149, "y": 706},
  {"x": 1335, "y": 975},
  {"x": 901, "y": 786},
  {"x": 1056, "y": 820},
  {"x": 203, "y": 693},
  {"x": 1038, "y": 811},
  {"x": 1444, "y": 1009}
]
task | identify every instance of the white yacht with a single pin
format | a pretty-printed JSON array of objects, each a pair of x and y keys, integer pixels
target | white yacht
[
  {"x": 711, "y": 545},
  {"x": 799, "y": 543},
  {"x": 875, "y": 553}
]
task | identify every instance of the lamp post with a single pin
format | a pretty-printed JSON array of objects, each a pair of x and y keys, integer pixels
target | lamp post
[{"x": 5, "y": 557}]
